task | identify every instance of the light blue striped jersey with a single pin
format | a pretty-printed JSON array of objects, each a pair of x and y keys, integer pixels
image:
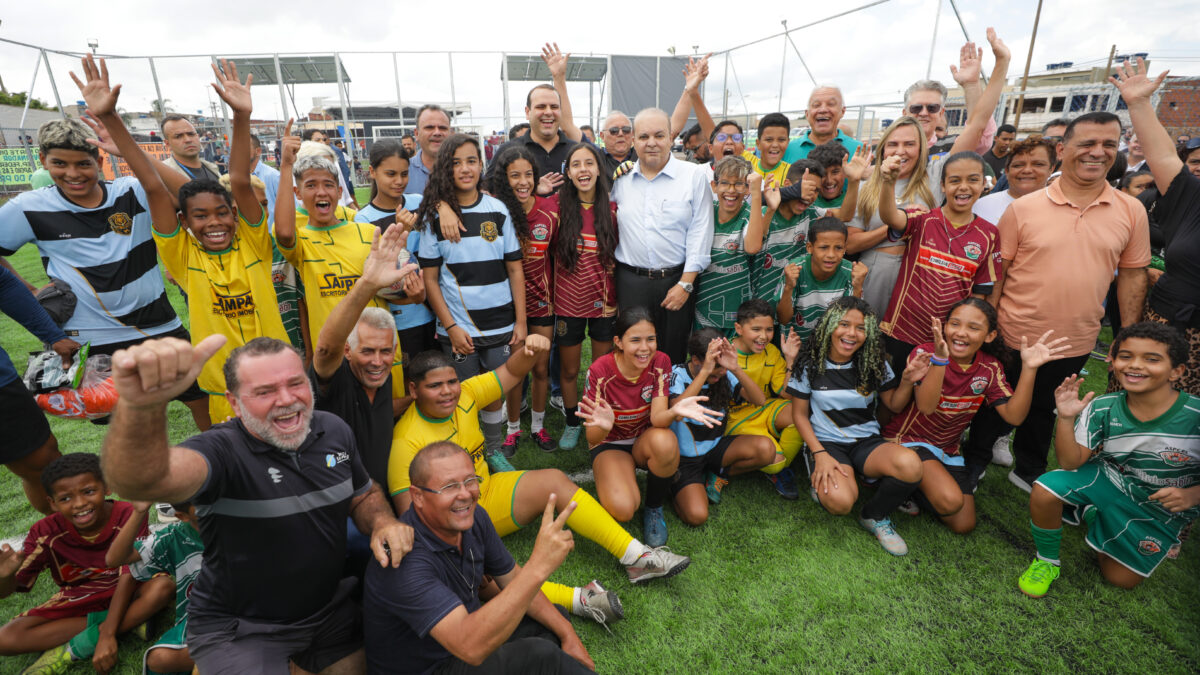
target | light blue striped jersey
[
  {"x": 838, "y": 410},
  {"x": 406, "y": 316},
  {"x": 473, "y": 276},
  {"x": 105, "y": 253},
  {"x": 695, "y": 439}
]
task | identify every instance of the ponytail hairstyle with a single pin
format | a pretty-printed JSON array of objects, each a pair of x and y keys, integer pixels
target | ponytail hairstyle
[
  {"x": 440, "y": 188},
  {"x": 996, "y": 347},
  {"x": 500, "y": 189},
  {"x": 869, "y": 362},
  {"x": 383, "y": 149},
  {"x": 570, "y": 217},
  {"x": 629, "y": 318},
  {"x": 720, "y": 393}
]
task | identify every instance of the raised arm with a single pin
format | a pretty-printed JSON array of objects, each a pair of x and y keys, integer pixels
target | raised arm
[
  {"x": 855, "y": 169},
  {"x": 121, "y": 551},
  {"x": 1136, "y": 88},
  {"x": 171, "y": 177},
  {"x": 285, "y": 201},
  {"x": 556, "y": 61},
  {"x": 694, "y": 74},
  {"x": 1070, "y": 454},
  {"x": 236, "y": 95},
  {"x": 521, "y": 362},
  {"x": 982, "y": 110},
  {"x": 889, "y": 213},
  {"x": 101, "y": 100}
]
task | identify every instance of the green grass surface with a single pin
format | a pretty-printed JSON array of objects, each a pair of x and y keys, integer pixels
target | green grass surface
[{"x": 780, "y": 586}]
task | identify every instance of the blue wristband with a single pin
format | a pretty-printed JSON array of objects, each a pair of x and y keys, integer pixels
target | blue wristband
[{"x": 935, "y": 361}]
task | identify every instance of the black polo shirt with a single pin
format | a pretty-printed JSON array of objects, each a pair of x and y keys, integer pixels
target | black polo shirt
[
  {"x": 371, "y": 421},
  {"x": 402, "y": 605},
  {"x": 611, "y": 163},
  {"x": 274, "y": 522},
  {"x": 548, "y": 162}
]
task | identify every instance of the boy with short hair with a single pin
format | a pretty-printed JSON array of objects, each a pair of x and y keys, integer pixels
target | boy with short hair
[
  {"x": 1130, "y": 463},
  {"x": 176, "y": 551},
  {"x": 837, "y": 194},
  {"x": 768, "y": 366},
  {"x": 820, "y": 277},
  {"x": 784, "y": 240},
  {"x": 737, "y": 236},
  {"x": 774, "y": 133},
  {"x": 94, "y": 603}
]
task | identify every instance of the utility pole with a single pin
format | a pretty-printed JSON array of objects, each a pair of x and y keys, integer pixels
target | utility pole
[{"x": 1025, "y": 78}]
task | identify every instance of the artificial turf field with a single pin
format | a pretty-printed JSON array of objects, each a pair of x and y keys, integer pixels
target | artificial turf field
[{"x": 779, "y": 586}]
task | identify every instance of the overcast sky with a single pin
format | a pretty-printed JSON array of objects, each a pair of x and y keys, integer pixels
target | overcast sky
[{"x": 873, "y": 54}]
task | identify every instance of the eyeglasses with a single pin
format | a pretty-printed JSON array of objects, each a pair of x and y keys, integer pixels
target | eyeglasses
[
  {"x": 933, "y": 108},
  {"x": 736, "y": 138},
  {"x": 471, "y": 484},
  {"x": 618, "y": 131},
  {"x": 726, "y": 184}
]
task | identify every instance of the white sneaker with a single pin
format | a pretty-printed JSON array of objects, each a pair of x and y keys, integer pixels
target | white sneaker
[
  {"x": 886, "y": 534},
  {"x": 1002, "y": 451},
  {"x": 1019, "y": 482},
  {"x": 600, "y": 605}
]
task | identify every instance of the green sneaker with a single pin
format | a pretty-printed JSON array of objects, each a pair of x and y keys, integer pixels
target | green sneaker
[
  {"x": 498, "y": 463},
  {"x": 713, "y": 486},
  {"x": 51, "y": 662},
  {"x": 1035, "y": 582}
]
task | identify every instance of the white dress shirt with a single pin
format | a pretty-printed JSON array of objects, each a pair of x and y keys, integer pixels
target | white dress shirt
[{"x": 665, "y": 221}]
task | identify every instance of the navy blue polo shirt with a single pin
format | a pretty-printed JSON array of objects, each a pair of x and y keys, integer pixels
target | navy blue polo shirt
[
  {"x": 273, "y": 521},
  {"x": 402, "y": 605}
]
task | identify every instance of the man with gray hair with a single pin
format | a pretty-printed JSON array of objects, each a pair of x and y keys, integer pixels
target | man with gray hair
[
  {"x": 824, "y": 114},
  {"x": 666, "y": 232},
  {"x": 926, "y": 99}
]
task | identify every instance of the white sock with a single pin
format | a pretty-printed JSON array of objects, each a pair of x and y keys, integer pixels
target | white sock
[
  {"x": 535, "y": 422},
  {"x": 633, "y": 552},
  {"x": 491, "y": 416},
  {"x": 576, "y": 603},
  {"x": 514, "y": 427}
]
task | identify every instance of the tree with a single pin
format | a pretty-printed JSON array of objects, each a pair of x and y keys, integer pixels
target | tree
[{"x": 159, "y": 109}]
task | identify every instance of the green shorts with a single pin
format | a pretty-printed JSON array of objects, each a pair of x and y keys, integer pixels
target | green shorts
[
  {"x": 1135, "y": 532},
  {"x": 174, "y": 638}
]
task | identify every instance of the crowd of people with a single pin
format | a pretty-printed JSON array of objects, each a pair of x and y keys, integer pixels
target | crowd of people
[{"x": 898, "y": 314}]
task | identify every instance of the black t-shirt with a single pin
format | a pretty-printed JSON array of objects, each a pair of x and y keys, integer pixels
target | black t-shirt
[
  {"x": 997, "y": 163},
  {"x": 402, "y": 605},
  {"x": 611, "y": 163},
  {"x": 371, "y": 421},
  {"x": 548, "y": 162},
  {"x": 274, "y": 521},
  {"x": 1177, "y": 293}
]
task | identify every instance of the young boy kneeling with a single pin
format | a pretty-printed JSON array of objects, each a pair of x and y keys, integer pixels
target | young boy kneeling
[{"x": 1130, "y": 464}]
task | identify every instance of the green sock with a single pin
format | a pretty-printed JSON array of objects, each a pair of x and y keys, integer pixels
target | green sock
[
  {"x": 1047, "y": 542},
  {"x": 83, "y": 645}
]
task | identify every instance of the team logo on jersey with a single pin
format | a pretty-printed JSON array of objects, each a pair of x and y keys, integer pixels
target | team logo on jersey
[
  {"x": 331, "y": 460},
  {"x": 979, "y": 384},
  {"x": 1149, "y": 546},
  {"x": 560, "y": 327},
  {"x": 275, "y": 474},
  {"x": 489, "y": 231},
  {"x": 233, "y": 306},
  {"x": 646, "y": 393},
  {"x": 277, "y": 277},
  {"x": 1175, "y": 457},
  {"x": 768, "y": 260},
  {"x": 973, "y": 251},
  {"x": 540, "y": 232},
  {"x": 730, "y": 245},
  {"x": 335, "y": 285},
  {"x": 120, "y": 223}
]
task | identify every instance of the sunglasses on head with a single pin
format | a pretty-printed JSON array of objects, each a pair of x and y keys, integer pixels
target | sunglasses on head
[
  {"x": 615, "y": 131},
  {"x": 1192, "y": 144},
  {"x": 916, "y": 108},
  {"x": 722, "y": 137}
]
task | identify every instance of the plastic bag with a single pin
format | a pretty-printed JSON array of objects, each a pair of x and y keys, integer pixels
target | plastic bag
[{"x": 95, "y": 396}]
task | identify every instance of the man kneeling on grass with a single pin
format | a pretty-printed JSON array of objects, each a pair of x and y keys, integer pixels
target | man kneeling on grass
[
  {"x": 1130, "y": 464},
  {"x": 428, "y": 616}
]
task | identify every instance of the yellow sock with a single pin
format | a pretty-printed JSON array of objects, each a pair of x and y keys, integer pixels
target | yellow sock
[
  {"x": 561, "y": 595},
  {"x": 592, "y": 521},
  {"x": 789, "y": 446}
]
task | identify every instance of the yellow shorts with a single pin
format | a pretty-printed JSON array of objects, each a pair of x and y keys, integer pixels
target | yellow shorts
[
  {"x": 759, "y": 420},
  {"x": 496, "y": 496}
]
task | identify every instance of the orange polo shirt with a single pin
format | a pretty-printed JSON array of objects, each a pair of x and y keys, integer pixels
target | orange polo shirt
[{"x": 1063, "y": 260}]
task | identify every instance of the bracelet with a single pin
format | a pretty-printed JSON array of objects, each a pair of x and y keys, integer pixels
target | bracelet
[
  {"x": 814, "y": 453},
  {"x": 450, "y": 326},
  {"x": 935, "y": 361}
]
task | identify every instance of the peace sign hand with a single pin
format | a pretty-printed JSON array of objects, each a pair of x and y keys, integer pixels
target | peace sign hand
[{"x": 553, "y": 541}]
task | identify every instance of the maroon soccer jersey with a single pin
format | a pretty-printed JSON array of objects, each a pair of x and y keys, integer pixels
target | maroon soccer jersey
[
  {"x": 76, "y": 564},
  {"x": 543, "y": 223},
  {"x": 963, "y": 393},
  {"x": 941, "y": 266},
  {"x": 588, "y": 291},
  {"x": 630, "y": 401}
]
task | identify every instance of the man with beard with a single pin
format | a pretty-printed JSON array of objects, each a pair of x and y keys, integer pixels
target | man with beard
[{"x": 272, "y": 488}]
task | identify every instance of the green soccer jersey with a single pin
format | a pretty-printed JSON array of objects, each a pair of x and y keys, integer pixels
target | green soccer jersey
[
  {"x": 725, "y": 283},
  {"x": 1144, "y": 457},
  {"x": 811, "y": 295},
  {"x": 176, "y": 550},
  {"x": 783, "y": 244}
]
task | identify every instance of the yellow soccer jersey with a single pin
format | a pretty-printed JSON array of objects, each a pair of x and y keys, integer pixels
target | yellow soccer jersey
[
  {"x": 340, "y": 212},
  {"x": 415, "y": 431},
  {"x": 229, "y": 292},
  {"x": 779, "y": 172},
  {"x": 768, "y": 369}
]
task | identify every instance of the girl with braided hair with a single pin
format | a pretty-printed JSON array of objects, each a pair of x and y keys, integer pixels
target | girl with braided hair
[{"x": 836, "y": 386}]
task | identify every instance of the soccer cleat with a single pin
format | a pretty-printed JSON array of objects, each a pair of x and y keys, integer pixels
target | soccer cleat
[
  {"x": 556, "y": 402},
  {"x": 51, "y": 662},
  {"x": 785, "y": 483},
  {"x": 544, "y": 442},
  {"x": 509, "y": 447},
  {"x": 812, "y": 492},
  {"x": 713, "y": 485},
  {"x": 600, "y": 605},
  {"x": 498, "y": 463},
  {"x": 570, "y": 438},
  {"x": 1026, "y": 485},
  {"x": 654, "y": 526},
  {"x": 1035, "y": 581},
  {"x": 886, "y": 534},
  {"x": 1002, "y": 451},
  {"x": 655, "y": 563}
]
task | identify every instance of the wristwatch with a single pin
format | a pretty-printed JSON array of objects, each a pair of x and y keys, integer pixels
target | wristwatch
[{"x": 686, "y": 286}]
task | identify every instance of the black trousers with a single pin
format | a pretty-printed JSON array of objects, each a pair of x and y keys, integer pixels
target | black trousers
[
  {"x": 1031, "y": 444},
  {"x": 673, "y": 328},
  {"x": 532, "y": 650}
]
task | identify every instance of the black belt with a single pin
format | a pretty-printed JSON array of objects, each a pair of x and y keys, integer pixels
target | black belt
[{"x": 653, "y": 274}]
